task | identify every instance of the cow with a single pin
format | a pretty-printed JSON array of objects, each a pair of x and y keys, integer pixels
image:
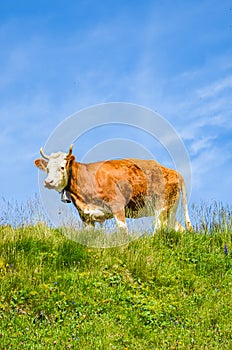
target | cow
[{"x": 119, "y": 189}]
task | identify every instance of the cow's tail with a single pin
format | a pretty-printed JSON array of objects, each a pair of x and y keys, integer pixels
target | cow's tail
[{"x": 187, "y": 221}]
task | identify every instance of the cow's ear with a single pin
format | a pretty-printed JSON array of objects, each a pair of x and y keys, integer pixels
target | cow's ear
[
  {"x": 41, "y": 164},
  {"x": 69, "y": 160}
]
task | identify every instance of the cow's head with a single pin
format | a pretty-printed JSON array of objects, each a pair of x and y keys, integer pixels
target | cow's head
[{"x": 57, "y": 167}]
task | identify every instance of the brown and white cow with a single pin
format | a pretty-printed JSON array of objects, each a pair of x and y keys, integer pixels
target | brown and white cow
[{"x": 117, "y": 189}]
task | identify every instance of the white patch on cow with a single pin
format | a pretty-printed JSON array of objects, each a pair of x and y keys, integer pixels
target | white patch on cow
[{"x": 94, "y": 211}]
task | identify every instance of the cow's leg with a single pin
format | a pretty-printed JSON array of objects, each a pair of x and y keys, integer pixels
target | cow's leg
[
  {"x": 165, "y": 218},
  {"x": 161, "y": 221},
  {"x": 172, "y": 223},
  {"x": 188, "y": 224},
  {"x": 169, "y": 214},
  {"x": 179, "y": 227},
  {"x": 158, "y": 220},
  {"x": 120, "y": 219},
  {"x": 87, "y": 221}
]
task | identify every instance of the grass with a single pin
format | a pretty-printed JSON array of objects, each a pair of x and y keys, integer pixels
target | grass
[{"x": 170, "y": 291}]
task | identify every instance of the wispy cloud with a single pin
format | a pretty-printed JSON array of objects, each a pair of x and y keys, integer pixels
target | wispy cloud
[
  {"x": 203, "y": 143},
  {"x": 215, "y": 88}
]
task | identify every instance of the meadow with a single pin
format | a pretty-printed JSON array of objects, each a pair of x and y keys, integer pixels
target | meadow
[{"x": 168, "y": 291}]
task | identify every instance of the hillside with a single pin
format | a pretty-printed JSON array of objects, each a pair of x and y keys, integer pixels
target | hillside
[{"x": 170, "y": 291}]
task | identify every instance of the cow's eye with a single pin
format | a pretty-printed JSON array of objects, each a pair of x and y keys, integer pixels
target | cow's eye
[{"x": 62, "y": 168}]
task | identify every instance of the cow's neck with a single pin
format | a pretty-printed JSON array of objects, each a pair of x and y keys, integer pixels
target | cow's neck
[
  {"x": 72, "y": 177},
  {"x": 70, "y": 173},
  {"x": 73, "y": 187}
]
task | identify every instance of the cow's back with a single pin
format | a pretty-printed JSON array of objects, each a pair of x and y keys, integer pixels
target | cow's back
[{"x": 133, "y": 180}]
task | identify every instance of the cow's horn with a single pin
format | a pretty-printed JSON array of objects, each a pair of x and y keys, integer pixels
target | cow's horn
[
  {"x": 43, "y": 154},
  {"x": 70, "y": 149}
]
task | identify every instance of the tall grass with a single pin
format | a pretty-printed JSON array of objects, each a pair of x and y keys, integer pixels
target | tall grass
[
  {"x": 210, "y": 217},
  {"x": 18, "y": 214},
  {"x": 167, "y": 291}
]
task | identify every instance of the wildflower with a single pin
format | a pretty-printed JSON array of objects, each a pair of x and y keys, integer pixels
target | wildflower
[{"x": 225, "y": 249}]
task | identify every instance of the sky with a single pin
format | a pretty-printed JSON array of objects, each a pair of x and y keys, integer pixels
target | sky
[{"x": 173, "y": 57}]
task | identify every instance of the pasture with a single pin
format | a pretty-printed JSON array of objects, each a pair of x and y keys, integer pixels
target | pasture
[{"x": 169, "y": 291}]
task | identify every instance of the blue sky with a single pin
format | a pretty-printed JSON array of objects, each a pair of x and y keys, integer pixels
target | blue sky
[{"x": 174, "y": 57}]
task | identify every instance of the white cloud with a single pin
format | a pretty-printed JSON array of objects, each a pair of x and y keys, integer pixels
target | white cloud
[
  {"x": 203, "y": 143},
  {"x": 215, "y": 88}
]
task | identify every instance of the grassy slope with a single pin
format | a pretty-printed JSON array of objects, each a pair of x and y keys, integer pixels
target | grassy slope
[{"x": 170, "y": 291}]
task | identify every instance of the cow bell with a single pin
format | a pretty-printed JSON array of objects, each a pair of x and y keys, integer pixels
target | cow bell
[{"x": 65, "y": 197}]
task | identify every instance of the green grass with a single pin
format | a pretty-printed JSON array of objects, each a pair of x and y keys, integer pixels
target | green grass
[{"x": 170, "y": 291}]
